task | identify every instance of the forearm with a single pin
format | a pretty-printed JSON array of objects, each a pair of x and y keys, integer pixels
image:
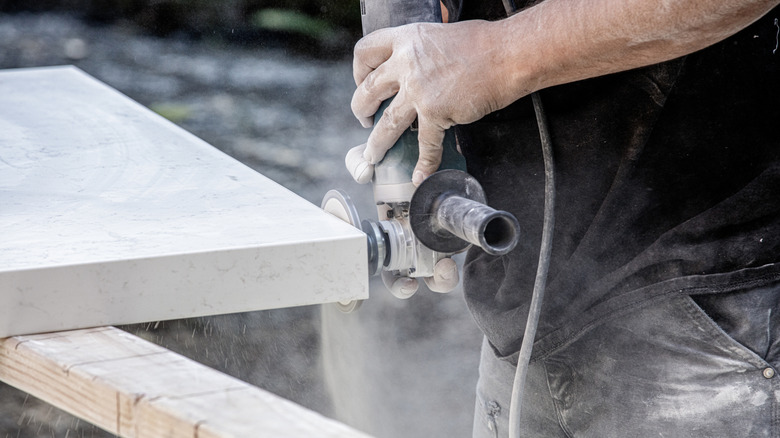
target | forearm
[
  {"x": 450, "y": 74},
  {"x": 562, "y": 41}
]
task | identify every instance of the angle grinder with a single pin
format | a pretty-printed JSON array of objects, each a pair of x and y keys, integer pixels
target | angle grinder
[{"x": 447, "y": 213}]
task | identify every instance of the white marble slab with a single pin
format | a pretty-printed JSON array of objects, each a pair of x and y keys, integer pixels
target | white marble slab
[{"x": 111, "y": 214}]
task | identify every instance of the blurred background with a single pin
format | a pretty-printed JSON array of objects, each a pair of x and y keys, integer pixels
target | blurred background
[{"x": 268, "y": 82}]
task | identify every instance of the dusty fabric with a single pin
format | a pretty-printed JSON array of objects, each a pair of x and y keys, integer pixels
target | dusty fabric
[
  {"x": 666, "y": 370},
  {"x": 668, "y": 185}
]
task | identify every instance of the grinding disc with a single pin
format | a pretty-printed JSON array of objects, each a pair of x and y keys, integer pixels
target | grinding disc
[{"x": 339, "y": 204}]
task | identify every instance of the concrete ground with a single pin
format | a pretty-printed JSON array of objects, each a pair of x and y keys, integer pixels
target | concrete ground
[{"x": 394, "y": 368}]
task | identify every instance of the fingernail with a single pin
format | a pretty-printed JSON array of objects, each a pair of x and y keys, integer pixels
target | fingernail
[{"x": 418, "y": 178}]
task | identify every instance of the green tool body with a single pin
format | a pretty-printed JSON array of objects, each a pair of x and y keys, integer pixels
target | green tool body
[
  {"x": 417, "y": 227},
  {"x": 398, "y": 163}
]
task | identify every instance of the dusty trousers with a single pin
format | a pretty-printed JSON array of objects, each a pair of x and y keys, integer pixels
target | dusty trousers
[{"x": 683, "y": 366}]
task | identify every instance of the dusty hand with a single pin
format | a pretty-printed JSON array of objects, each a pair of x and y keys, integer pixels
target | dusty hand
[
  {"x": 445, "y": 278},
  {"x": 361, "y": 170},
  {"x": 441, "y": 74},
  {"x": 447, "y": 74}
]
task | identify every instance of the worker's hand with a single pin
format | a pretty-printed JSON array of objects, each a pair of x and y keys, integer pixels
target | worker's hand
[
  {"x": 445, "y": 278},
  {"x": 440, "y": 74},
  {"x": 361, "y": 170},
  {"x": 400, "y": 287},
  {"x": 447, "y": 74}
]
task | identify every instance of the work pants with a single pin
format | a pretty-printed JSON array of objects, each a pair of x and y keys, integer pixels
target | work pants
[{"x": 684, "y": 366}]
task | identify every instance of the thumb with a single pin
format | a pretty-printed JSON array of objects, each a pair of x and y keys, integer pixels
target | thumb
[
  {"x": 445, "y": 276},
  {"x": 400, "y": 287},
  {"x": 360, "y": 169}
]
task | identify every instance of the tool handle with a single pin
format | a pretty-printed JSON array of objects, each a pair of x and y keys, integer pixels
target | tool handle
[
  {"x": 379, "y": 14},
  {"x": 399, "y": 162}
]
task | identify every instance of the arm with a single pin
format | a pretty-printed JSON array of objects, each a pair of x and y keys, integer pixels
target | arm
[{"x": 447, "y": 74}]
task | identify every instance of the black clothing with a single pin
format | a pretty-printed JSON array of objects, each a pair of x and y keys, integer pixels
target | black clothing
[
  {"x": 665, "y": 370},
  {"x": 668, "y": 182}
]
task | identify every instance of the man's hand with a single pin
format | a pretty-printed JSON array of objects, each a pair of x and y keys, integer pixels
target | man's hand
[
  {"x": 440, "y": 74},
  {"x": 361, "y": 170},
  {"x": 447, "y": 74},
  {"x": 445, "y": 278}
]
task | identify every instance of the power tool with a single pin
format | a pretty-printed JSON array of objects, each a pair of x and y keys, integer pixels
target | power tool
[{"x": 447, "y": 213}]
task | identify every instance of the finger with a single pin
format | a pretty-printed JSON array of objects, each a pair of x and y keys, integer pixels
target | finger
[
  {"x": 358, "y": 167},
  {"x": 370, "y": 52},
  {"x": 445, "y": 276},
  {"x": 397, "y": 117},
  {"x": 430, "y": 137},
  {"x": 378, "y": 86},
  {"x": 400, "y": 287}
]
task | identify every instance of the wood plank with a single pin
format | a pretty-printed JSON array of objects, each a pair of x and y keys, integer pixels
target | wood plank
[
  {"x": 133, "y": 388},
  {"x": 113, "y": 215}
]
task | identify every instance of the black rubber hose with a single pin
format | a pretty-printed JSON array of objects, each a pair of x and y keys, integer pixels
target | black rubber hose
[
  {"x": 495, "y": 231},
  {"x": 540, "y": 283},
  {"x": 524, "y": 357},
  {"x": 509, "y": 7}
]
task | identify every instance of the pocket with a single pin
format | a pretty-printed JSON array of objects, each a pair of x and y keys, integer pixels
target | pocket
[
  {"x": 732, "y": 328},
  {"x": 666, "y": 367}
]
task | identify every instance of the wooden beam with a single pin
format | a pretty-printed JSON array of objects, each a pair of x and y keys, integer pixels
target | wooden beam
[{"x": 133, "y": 388}]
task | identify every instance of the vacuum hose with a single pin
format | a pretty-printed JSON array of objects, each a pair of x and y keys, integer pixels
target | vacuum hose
[
  {"x": 496, "y": 232},
  {"x": 449, "y": 211}
]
